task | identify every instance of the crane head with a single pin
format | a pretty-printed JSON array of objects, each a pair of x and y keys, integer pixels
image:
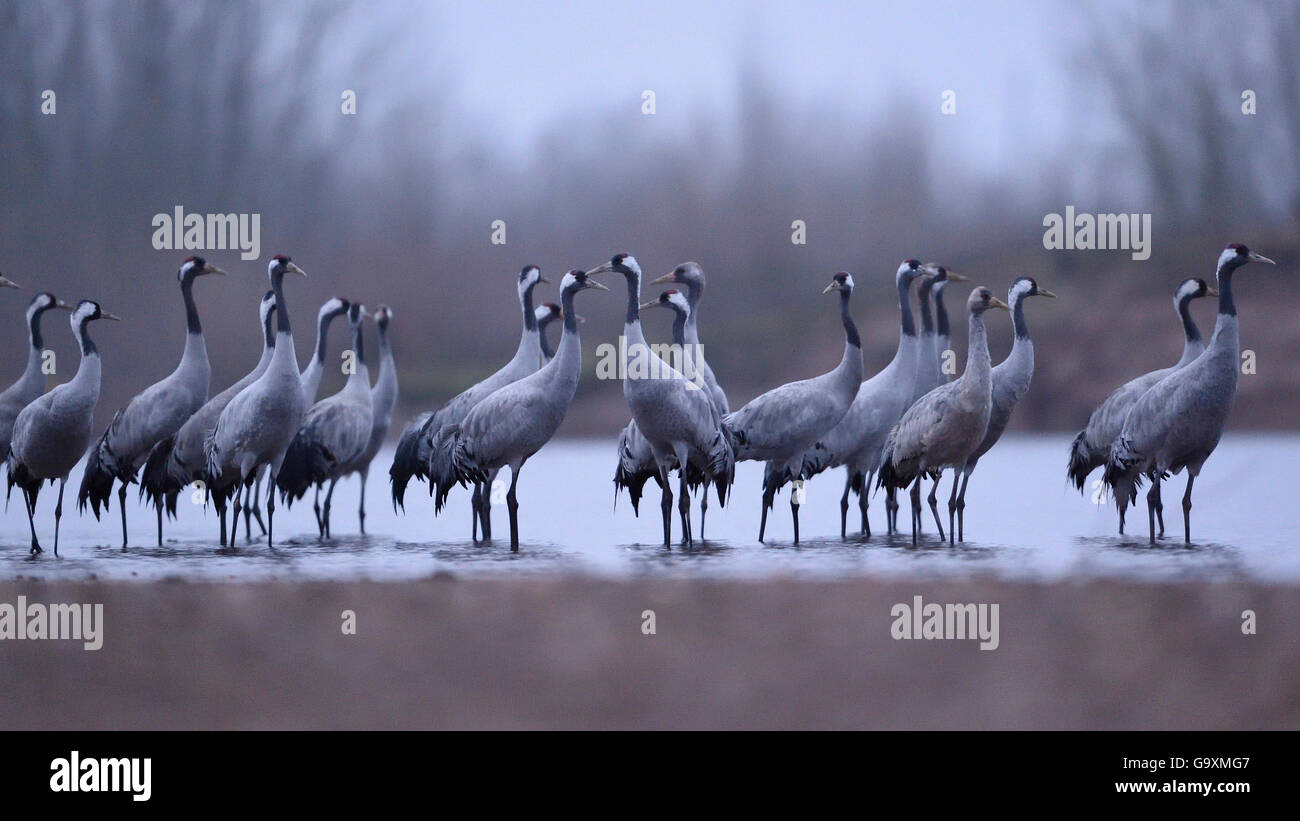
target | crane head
[
  {"x": 1237, "y": 255},
  {"x": 981, "y": 299},
  {"x": 841, "y": 282}
]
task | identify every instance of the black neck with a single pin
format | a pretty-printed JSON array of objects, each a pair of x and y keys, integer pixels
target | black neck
[
  {"x": 358, "y": 344},
  {"x": 87, "y": 344},
  {"x": 383, "y": 336},
  {"x": 267, "y": 332},
  {"x": 1226, "y": 305},
  {"x": 679, "y": 328},
  {"x": 1190, "y": 331},
  {"x": 570, "y": 315},
  {"x": 191, "y": 310},
  {"x": 34, "y": 329},
  {"x": 927, "y": 322},
  {"x": 530, "y": 319},
  {"x": 1018, "y": 318},
  {"x": 850, "y": 329},
  {"x": 940, "y": 313},
  {"x": 322, "y": 333},
  {"x": 905, "y": 307},
  {"x": 281, "y": 310},
  {"x": 541, "y": 337},
  {"x": 633, "y": 301}
]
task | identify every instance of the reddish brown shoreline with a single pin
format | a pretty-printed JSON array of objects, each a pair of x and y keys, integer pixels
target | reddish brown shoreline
[{"x": 570, "y": 653}]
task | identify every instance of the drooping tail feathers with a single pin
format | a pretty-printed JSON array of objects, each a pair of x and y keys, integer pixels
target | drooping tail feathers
[
  {"x": 101, "y": 472},
  {"x": 307, "y": 462},
  {"x": 444, "y": 471},
  {"x": 1083, "y": 460},
  {"x": 163, "y": 479},
  {"x": 1122, "y": 474},
  {"x": 410, "y": 459},
  {"x": 721, "y": 466}
]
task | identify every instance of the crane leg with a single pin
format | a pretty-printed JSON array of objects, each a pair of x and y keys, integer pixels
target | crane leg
[
  {"x": 270, "y": 509},
  {"x": 1153, "y": 499},
  {"x": 957, "y": 476},
  {"x": 512, "y": 506},
  {"x": 121, "y": 505},
  {"x": 666, "y": 506},
  {"x": 485, "y": 506},
  {"x": 794, "y": 514},
  {"x": 58, "y": 514},
  {"x": 476, "y": 503},
  {"x": 891, "y": 510},
  {"x": 257, "y": 510},
  {"x": 158, "y": 509},
  {"x": 1187, "y": 509},
  {"x": 320, "y": 523},
  {"x": 862, "y": 503},
  {"x": 934, "y": 506},
  {"x": 362, "y": 512},
  {"x": 769, "y": 496},
  {"x": 221, "y": 520},
  {"x": 29, "y": 498},
  {"x": 248, "y": 514},
  {"x": 1123, "y": 508},
  {"x": 329, "y": 503},
  {"x": 1160, "y": 512},
  {"x": 961, "y": 505},
  {"x": 916, "y": 505},
  {"x": 844, "y": 503},
  {"x": 684, "y": 509},
  {"x": 234, "y": 515}
]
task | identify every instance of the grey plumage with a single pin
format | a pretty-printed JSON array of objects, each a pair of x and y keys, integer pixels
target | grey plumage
[
  {"x": 1091, "y": 446},
  {"x": 383, "y": 398},
  {"x": 334, "y": 434},
  {"x": 676, "y": 417},
  {"x": 152, "y": 415},
  {"x": 1011, "y": 379},
  {"x": 51, "y": 434},
  {"x": 513, "y": 422},
  {"x": 546, "y": 313},
  {"x": 691, "y": 275},
  {"x": 179, "y": 460},
  {"x": 1177, "y": 423},
  {"x": 941, "y": 429},
  {"x": 31, "y": 384},
  {"x": 256, "y": 427},
  {"x": 311, "y": 375},
  {"x": 424, "y": 450},
  {"x": 856, "y": 441},
  {"x": 780, "y": 426}
]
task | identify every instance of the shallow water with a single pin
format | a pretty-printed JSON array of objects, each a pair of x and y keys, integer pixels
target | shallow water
[{"x": 1022, "y": 521}]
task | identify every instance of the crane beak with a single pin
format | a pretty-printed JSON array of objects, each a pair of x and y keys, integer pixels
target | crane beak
[
  {"x": 106, "y": 315},
  {"x": 5, "y": 282},
  {"x": 1046, "y": 293},
  {"x": 834, "y": 286},
  {"x": 58, "y": 303},
  {"x": 668, "y": 277},
  {"x": 997, "y": 303},
  {"x": 603, "y": 268},
  {"x": 294, "y": 269},
  {"x": 209, "y": 268},
  {"x": 543, "y": 281},
  {"x": 1254, "y": 257},
  {"x": 1211, "y": 291},
  {"x": 957, "y": 277},
  {"x": 654, "y": 303},
  {"x": 593, "y": 284}
]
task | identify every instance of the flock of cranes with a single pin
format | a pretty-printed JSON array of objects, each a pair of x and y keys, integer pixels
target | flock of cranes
[{"x": 913, "y": 420}]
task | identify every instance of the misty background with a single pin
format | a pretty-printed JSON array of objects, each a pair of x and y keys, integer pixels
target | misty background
[{"x": 766, "y": 113}]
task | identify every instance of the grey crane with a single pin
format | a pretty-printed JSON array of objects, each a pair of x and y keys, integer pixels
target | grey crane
[
  {"x": 32, "y": 383},
  {"x": 1011, "y": 378},
  {"x": 178, "y": 460},
  {"x": 636, "y": 460},
  {"x": 780, "y": 426},
  {"x": 256, "y": 427},
  {"x": 691, "y": 275},
  {"x": 153, "y": 414},
  {"x": 676, "y": 417},
  {"x": 857, "y": 440},
  {"x": 383, "y": 398},
  {"x": 51, "y": 434},
  {"x": 1091, "y": 446},
  {"x": 5, "y": 282},
  {"x": 942, "y": 332},
  {"x": 943, "y": 428},
  {"x": 334, "y": 433},
  {"x": 430, "y": 431},
  {"x": 513, "y": 422},
  {"x": 311, "y": 378},
  {"x": 546, "y": 313},
  {"x": 1177, "y": 423}
]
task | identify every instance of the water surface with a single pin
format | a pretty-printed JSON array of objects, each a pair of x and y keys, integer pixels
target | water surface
[{"x": 1022, "y": 521}]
